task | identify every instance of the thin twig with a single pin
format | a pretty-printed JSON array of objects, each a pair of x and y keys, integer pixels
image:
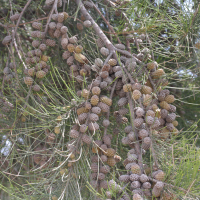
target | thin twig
[
  {"x": 95, "y": 26},
  {"x": 150, "y": 79},
  {"x": 36, "y": 20},
  {"x": 137, "y": 45},
  {"x": 3, "y": 25},
  {"x": 11, "y": 9},
  {"x": 64, "y": 2},
  {"x": 128, "y": 46},
  {"x": 189, "y": 189},
  {"x": 129, "y": 75},
  {"x": 124, "y": 52},
  {"x": 139, "y": 31},
  {"x": 111, "y": 96},
  {"x": 7, "y": 63},
  {"x": 13, "y": 58},
  {"x": 105, "y": 20},
  {"x": 148, "y": 40},
  {"x": 173, "y": 154},
  {"x": 137, "y": 146},
  {"x": 108, "y": 58},
  {"x": 20, "y": 47},
  {"x": 21, "y": 14},
  {"x": 54, "y": 8},
  {"x": 107, "y": 17},
  {"x": 153, "y": 151},
  {"x": 20, "y": 57}
]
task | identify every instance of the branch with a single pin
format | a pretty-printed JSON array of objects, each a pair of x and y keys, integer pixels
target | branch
[
  {"x": 140, "y": 62},
  {"x": 54, "y": 8},
  {"x": 109, "y": 26},
  {"x": 153, "y": 151},
  {"x": 137, "y": 146},
  {"x": 7, "y": 63},
  {"x": 148, "y": 40},
  {"x": 3, "y": 25},
  {"x": 13, "y": 58},
  {"x": 150, "y": 79},
  {"x": 128, "y": 46},
  {"x": 25, "y": 7},
  {"x": 108, "y": 58},
  {"x": 95, "y": 26},
  {"x": 107, "y": 17},
  {"x": 111, "y": 96},
  {"x": 129, "y": 75},
  {"x": 137, "y": 45},
  {"x": 20, "y": 57}
]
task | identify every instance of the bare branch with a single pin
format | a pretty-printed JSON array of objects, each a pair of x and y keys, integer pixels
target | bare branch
[{"x": 18, "y": 21}]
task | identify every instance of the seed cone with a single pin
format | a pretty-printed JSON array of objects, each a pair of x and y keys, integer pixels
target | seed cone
[
  {"x": 50, "y": 43},
  {"x": 137, "y": 197},
  {"x": 28, "y": 81},
  {"x": 112, "y": 62},
  {"x": 37, "y": 25},
  {"x": 147, "y": 99},
  {"x": 138, "y": 122},
  {"x": 80, "y": 58},
  {"x": 111, "y": 161},
  {"x": 94, "y": 100},
  {"x": 169, "y": 98},
  {"x": 104, "y": 184},
  {"x": 40, "y": 74},
  {"x": 110, "y": 152},
  {"x": 94, "y": 167},
  {"x": 146, "y": 89},
  {"x": 164, "y": 105},
  {"x": 85, "y": 94},
  {"x": 158, "y": 73},
  {"x": 124, "y": 178},
  {"x": 86, "y": 139},
  {"x": 136, "y": 169},
  {"x": 106, "y": 100},
  {"x": 157, "y": 189},
  {"x": 136, "y": 94},
  {"x": 151, "y": 65},
  {"x": 160, "y": 176},
  {"x": 74, "y": 134},
  {"x": 15, "y": 17}
]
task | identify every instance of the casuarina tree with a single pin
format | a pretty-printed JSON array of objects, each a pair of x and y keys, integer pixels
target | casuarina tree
[{"x": 93, "y": 99}]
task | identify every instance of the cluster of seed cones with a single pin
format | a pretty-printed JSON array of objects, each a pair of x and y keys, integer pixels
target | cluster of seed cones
[
  {"x": 36, "y": 59},
  {"x": 137, "y": 178},
  {"x": 153, "y": 115},
  {"x": 102, "y": 162}
]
